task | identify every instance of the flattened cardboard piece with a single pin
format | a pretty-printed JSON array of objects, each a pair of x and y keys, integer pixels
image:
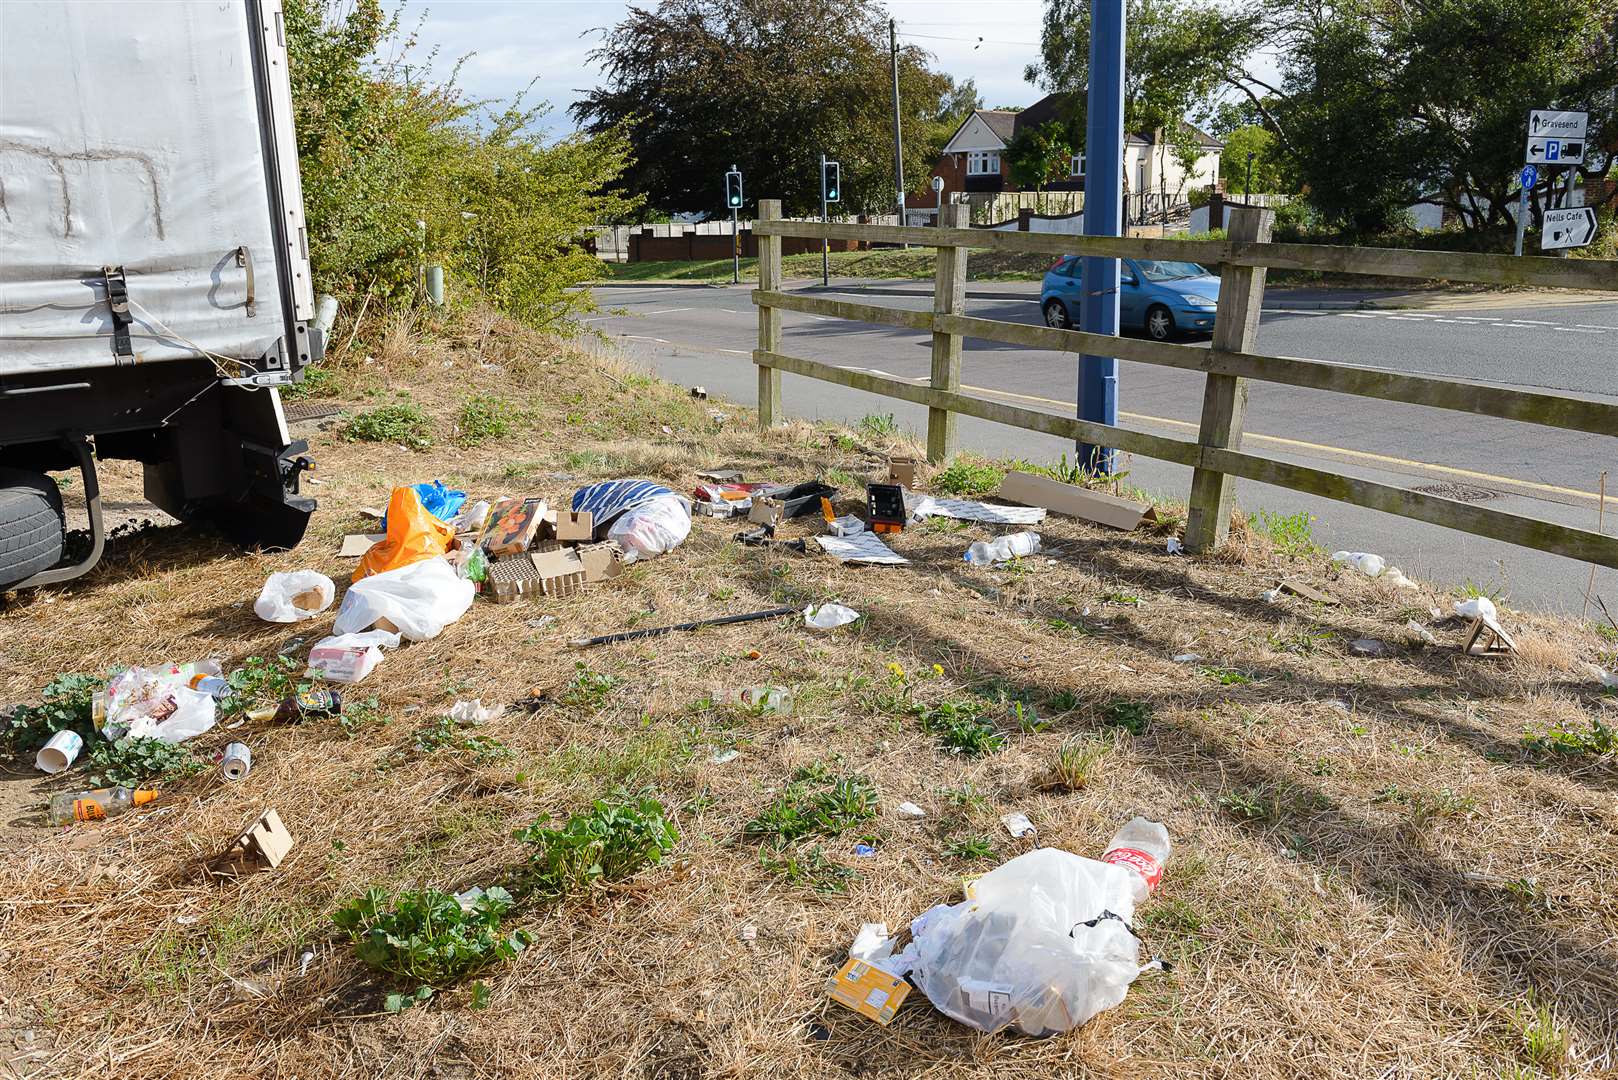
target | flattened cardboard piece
[
  {"x": 902, "y": 471},
  {"x": 1097, "y": 506},
  {"x": 869, "y": 991},
  {"x": 861, "y": 548},
  {"x": 262, "y": 845},
  {"x": 601, "y": 561},
  {"x": 1298, "y": 588},
  {"x": 357, "y": 544},
  {"x": 970, "y": 510},
  {"x": 574, "y": 526}
]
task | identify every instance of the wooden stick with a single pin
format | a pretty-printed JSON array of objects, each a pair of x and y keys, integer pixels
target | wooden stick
[{"x": 1601, "y": 520}]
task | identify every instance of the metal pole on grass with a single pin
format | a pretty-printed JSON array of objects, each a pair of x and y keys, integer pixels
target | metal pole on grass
[
  {"x": 1103, "y": 216},
  {"x": 898, "y": 142},
  {"x": 825, "y": 216}
]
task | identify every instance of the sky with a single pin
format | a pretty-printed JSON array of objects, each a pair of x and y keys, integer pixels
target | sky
[{"x": 516, "y": 41}]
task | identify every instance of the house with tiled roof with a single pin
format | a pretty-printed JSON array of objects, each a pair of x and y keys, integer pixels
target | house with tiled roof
[{"x": 974, "y": 159}]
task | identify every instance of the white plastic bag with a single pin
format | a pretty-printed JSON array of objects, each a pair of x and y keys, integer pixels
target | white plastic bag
[
  {"x": 828, "y": 616},
  {"x": 1479, "y": 607},
  {"x": 348, "y": 658},
  {"x": 419, "y": 600},
  {"x": 300, "y": 594},
  {"x": 653, "y": 527},
  {"x": 1044, "y": 946},
  {"x": 1366, "y": 563},
  {"x": 152, "y": 703}
]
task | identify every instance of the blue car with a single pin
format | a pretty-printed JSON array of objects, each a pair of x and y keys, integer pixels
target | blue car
[{"x": 1162, "y": 297}]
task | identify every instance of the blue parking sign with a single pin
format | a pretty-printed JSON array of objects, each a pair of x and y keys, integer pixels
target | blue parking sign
[{"x": 1553, "y": 149}]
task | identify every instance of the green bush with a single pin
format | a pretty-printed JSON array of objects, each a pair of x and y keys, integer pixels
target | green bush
[
  {"x": 613, "y": 842},
  {"x": 967, "y": 475},
  {"x": 799, "y": 812},
  {"x": 64, "y": 705},
  {"x": 483, "y": 417},
  {"x": 428, "y": 938},
  {"x": 960, "y": 727},
  {"x": 134, "y": 762},
  {"x": 401, "y": 423},
  {"x": 503, "y": 207}
]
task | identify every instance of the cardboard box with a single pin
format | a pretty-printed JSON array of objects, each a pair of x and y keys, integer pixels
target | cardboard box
[
  {"x": 559, "y": 570},
  {"x": 869, "y": 991},
  {"x": 263, "y": 844},
  {"x": 575, "y": 526},
  {"x": 1097, "y": 506},
  {"x": 601, "y": 561},
  {"x": 902, "y": 471},
  {"x": 512, "y": 526},
  {"x": 511, "y": 578}
]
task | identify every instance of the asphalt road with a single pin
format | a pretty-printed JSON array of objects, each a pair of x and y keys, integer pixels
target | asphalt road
[{"x": 704, "y": 335}]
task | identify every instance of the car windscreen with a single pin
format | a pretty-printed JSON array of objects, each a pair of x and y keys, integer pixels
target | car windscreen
[{"x": 1165, "y": 270}]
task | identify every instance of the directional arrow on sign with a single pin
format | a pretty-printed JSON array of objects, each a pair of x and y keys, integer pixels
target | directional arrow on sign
[{"x": 1569, "y": 227}]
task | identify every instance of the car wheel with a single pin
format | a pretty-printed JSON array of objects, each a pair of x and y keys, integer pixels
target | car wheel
[
  {"x": 1159, "y": 323},
  {"x": 31, "y": 525},
  {"x": 1056, "y": 315}
]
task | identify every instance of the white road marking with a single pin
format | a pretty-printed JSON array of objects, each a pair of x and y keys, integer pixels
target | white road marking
[
  {"x": 637, "y": 337},
  {"x": 736, "y": 352},
  {"x": 1477, "y": 318},
  {"x": 733, "y": 311},
  {"x": 1354, "y": 315},
  {"x": 666, "y": 311},
  {"x": 1534, "y": 322},
  {"x": 1447, "y": 320},
  {"x": 1575, "y": 330},
  {"x": 1594, "y": 326},
  {"x": 1402, "y": 318}
]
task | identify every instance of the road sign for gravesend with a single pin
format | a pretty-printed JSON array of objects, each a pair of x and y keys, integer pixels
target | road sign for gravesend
[
  {"x": 1568, "y": 228},
  {"x": 1556, "y": 138}
]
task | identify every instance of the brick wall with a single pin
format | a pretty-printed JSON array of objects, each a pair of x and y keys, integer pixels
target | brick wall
[{"x": 691, "y": 247}]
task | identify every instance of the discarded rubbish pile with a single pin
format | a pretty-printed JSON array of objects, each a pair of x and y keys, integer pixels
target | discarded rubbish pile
[{"x": 1042, "y": 943}]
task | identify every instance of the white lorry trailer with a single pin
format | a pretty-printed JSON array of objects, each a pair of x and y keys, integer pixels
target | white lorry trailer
[{"x": 154, "y": 271}]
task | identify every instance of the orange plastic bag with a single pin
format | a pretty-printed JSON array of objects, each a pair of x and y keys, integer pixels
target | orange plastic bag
[{"x": 414, "y": 534}]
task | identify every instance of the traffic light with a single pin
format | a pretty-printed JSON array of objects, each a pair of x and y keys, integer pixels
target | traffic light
[
  {"x": 831, "y": 181},
  {"x": 733, "y": 188}
]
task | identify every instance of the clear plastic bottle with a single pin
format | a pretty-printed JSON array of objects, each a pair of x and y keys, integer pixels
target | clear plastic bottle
[
  {"x": 764, "y": 699},
  {"x": 1002, "y": 549},
  {"x": 71, "y": 806},
  {"x": 1141, "y": 846}
]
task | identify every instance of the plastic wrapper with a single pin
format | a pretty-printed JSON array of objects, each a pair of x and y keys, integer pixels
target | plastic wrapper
[
  {"x": 441, "y": 502},
  {"x": 348, "y": 658},
  {"x": 299, "y": 594},
  {"x": 419, "y": 600},
  {"x": 155, "y": 703},
  {"x": 414, "y": 534},
  {"x": 1364, "y": 561},
  {"x": 828, "y": 616},
  {"x": 1044, "y": 945},
  {"x": 651, "y": 528}
]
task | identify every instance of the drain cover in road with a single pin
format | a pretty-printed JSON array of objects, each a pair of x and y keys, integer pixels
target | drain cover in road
[{"x": 1458, "y": 492}]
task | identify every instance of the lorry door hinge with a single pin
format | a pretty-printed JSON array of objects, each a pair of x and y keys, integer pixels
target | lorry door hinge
[{"x": 118, "y": 303}]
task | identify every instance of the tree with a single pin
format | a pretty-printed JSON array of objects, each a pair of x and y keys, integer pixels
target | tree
[
  {"x": 1039, "y": 154},
  {"x": 503, "y": 210},
  {"x": 1379, "y": 104},
  {"x": 767, "y": 85},
  {"x": 1266, "y": 171}
]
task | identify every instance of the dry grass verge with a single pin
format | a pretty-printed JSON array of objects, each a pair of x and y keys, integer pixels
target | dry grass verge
[{"x": 1373, "y": 874}]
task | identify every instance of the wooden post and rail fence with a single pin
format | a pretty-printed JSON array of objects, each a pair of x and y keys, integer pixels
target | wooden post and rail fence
[{"x": 1216, "y": 457}]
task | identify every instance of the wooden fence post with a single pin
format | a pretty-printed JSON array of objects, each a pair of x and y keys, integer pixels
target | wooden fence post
[
  {"x": 1224, "y": 399},
  {"x": 769, "y": 318},
  {"x": 949, "y": 298}
]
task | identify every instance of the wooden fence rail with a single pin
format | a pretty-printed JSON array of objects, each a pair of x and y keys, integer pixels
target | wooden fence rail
[{"x": 1216, "y": 456}]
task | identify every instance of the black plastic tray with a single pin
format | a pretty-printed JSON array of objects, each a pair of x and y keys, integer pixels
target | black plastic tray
[{"x": 800, "y": 499}]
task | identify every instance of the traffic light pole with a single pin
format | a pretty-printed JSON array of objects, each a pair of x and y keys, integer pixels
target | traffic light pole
[
  {"x": 735, "y": 249},
  {"x": 825, "y": 216},
  {"x": 1103, "y": 216}
]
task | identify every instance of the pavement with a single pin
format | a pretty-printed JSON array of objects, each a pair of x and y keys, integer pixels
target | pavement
[{"x": 705, "y": 336}]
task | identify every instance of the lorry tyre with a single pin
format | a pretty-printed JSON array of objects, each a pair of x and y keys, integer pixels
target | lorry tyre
[{"x": 32, "y": 529}]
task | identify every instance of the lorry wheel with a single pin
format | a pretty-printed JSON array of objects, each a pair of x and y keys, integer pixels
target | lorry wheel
[{"x": 32, "y": 529}]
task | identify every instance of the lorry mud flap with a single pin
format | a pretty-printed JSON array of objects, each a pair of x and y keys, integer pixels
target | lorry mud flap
[{"x": 234, "y": 466}]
